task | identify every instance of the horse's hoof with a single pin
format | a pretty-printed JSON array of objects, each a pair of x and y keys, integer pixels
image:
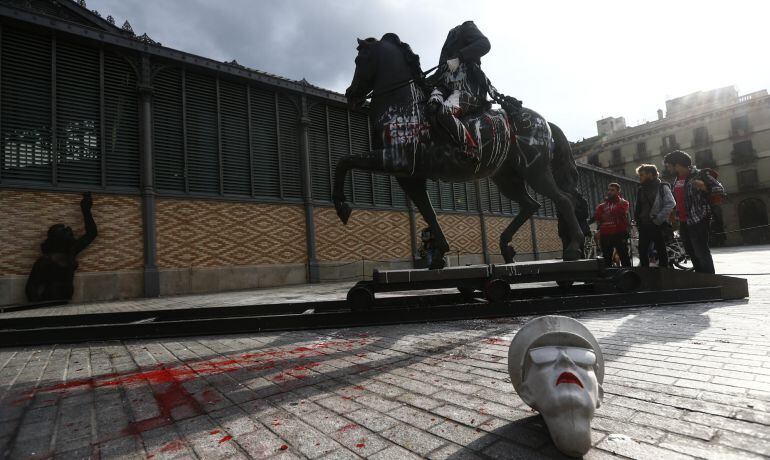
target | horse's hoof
[
  {"x": 343, "y": 212},
  {"x": 508, "y": 253},
  {"x": 573, "y": 254}
]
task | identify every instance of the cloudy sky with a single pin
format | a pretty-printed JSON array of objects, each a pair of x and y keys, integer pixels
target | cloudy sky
[{"x": 573, "y": 61}]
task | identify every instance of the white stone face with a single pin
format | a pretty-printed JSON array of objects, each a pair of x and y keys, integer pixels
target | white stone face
[{"x": 560, "y": 383}]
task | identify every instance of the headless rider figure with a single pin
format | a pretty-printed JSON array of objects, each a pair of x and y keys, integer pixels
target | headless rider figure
[{"x": 459, "y": 85}]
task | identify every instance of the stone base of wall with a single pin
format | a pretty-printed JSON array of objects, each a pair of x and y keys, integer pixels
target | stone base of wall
[
  {"x": 200, "y": 280},
  {"x": 89, "y": 286}
]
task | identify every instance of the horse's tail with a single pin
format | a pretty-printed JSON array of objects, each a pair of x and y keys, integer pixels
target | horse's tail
[{"x": 563, "y": 163}]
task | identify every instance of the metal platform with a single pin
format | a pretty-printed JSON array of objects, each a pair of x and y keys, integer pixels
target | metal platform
[
  {"x": 600, "y": 288},
  {"x": 493, "y": 282}
]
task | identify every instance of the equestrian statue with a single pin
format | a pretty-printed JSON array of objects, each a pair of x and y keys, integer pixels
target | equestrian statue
[{"x": 455, "y": 135}]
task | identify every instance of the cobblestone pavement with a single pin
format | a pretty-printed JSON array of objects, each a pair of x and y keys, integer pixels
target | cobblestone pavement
[{"x": 681, "y": 382}]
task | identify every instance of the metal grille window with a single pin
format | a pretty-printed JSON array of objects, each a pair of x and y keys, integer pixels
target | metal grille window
[
  {"x": 359, "y": 145},
  {"x": 291, "y": 172},
  {"x": 121, "y": 122},
  {"x": 26, "y": 107},
  {"x": 236, "y": 162},
  {"x": 264, "y": 135},
  {"x": 399, "y": 196},
  {"x": 460, "y": 196},
  {"x": 168, "y": 128},
  {"x": 494, "y": 198},
  {"x": 433, "y": 193},
  {"x": 77, "y": 114},
  {"x": 320, "y": 165},
  {"x": 445, "y": 195},
  {"x": 202, "y": 143},
  {"x": 338, "y": 142}
]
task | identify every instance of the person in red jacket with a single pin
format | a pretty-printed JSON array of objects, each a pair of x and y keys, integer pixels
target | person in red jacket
[{"x": 612, "y": 218}]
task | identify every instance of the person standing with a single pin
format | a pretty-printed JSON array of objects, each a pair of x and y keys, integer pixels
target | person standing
[
  {"x": 694, "y": 191},
  {"x": 612, "y": 218},
  {"x": 654, "y": 203}
]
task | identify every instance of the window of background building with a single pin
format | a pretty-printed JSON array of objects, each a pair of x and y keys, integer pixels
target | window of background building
[
  {"x": 740, "y": 126},
  {"x": 705, "y": 159},
  {"x": 669, "y": 143},
  {"x": 594, "y": 160},
  {"x": 743, "y": 152},
  {"x": 616, "y": 157},
  {"x": 700, "y": 137},
  {"x": 747, "y": 179},
  {"x": 641, "y": 150}
]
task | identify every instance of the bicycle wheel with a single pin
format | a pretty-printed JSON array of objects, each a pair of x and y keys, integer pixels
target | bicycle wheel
[
  {"x": 677, "y": 256},
  {"x": 684, "y": 264}
]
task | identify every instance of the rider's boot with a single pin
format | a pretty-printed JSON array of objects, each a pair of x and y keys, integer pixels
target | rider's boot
[{"x": 458, "y": 135}]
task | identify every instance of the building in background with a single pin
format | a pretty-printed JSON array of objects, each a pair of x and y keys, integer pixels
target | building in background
[{"x": 721, "y": 130}]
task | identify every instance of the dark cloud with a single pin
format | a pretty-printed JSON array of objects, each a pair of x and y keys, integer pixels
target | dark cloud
[
  {"x": 573, "y": 62},
  {"x": 295, "y": 39}
]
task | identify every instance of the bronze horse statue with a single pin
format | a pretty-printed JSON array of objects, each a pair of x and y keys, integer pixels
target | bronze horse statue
[{"x": 412, "y": 152}]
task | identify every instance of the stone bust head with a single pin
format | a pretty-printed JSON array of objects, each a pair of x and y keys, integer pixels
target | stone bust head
[{"x": 557, "y": 368}]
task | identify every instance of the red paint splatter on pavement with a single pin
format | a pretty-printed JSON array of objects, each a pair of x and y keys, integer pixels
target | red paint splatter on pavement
[
  {"x": 225, "y": 439},
  {"x": 348, "y": 427},
  {"x": 175, "y": 401},
  {"x": 172, "y": 446},
  {"x": 284, "y": 447},
  {"x": 359, "y": 388},
  {"x": 215, "y": 431},
  {"x": 360, "y": 445}
]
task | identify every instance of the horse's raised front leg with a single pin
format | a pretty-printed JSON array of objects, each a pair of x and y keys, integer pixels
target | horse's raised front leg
[
  {"x": 513, "y": 188},
  {"x": 345, "y": 164},
  {"x": 417, "y": 191}
]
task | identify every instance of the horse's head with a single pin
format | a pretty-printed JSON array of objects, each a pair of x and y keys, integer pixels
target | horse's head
[
  {"x": 366, "y": 70},
  {"x": 380, "y": 64}
]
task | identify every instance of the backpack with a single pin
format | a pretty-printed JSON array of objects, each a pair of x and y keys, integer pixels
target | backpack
[{"x": 714, "y": 198}]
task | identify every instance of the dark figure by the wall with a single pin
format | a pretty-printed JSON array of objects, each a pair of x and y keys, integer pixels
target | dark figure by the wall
[{"x": 54, "y": 271}]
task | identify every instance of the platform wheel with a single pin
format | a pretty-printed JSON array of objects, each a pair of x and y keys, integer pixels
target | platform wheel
[
  {"x": 497, "y": 290},
  {"x": 360, "y": 298},
  {"x": 627, "y": 281}
]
